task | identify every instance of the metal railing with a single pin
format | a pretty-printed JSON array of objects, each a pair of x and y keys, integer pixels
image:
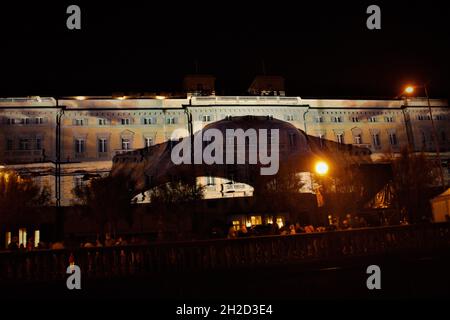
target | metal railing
[{"x": 224, "y": 254}]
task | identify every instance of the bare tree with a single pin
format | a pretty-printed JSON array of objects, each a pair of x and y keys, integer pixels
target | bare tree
[
  {"x": 173, "y": 202},
  {"x": 413, "y": 175},
  {"x": 280, "y": 190},
  {"x": 175, "y": 193},
  {"x": 108, "y": 200},
  {"x": 20, "y": 197},
  {"x": 346, "y": 186}
]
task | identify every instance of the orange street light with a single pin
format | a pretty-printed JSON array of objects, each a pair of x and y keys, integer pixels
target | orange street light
[
  {"x": 321, "y": 168},
  {"x": 409, "y": 89}
]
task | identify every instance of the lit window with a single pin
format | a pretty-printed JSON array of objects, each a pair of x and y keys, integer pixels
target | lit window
[
  {"x": 78, "y": 182},
  {"x": 340, "y": 138},
  {"x": 280, "y": 222},
  {"x": 126, "y": 144},
  {"x": 336, "y": 119},
  {"x": 22, "y": 237},
  {"x": 37, "y": 238},
  {"x": 236, "y": 224},
  {"x": 393, "y": 139},
  {"x": 170, "y": 120},
  {"x": 147, "y": 121},
  {"x": 148, "y": 142},
  {"x": 102, "y": 145},
  {"x": 376, "y": 140},
  {"x": 7, "y": 239},
  {"x": 79, "y": 145},
  {"x": 255, "y": 220}
]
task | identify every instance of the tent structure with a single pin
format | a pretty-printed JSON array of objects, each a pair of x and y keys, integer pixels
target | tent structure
[
  {"x": 383, "y": 199},
  {"x": 441, "y": 207}
]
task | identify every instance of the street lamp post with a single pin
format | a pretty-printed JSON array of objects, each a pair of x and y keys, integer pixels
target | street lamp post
[
  {"x": 410, "y": 90},
  {"x": 321, "y": 169}
]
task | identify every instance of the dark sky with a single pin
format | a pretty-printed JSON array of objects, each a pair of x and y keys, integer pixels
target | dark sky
[{"x": 323, "y": 49}]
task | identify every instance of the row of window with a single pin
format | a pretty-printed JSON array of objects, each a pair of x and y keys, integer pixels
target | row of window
[
  {"x": 339, "y": 119},
  {"x": 358, "y": 139},
  {"x": 103, "y": 144},
  {"x": 442, "y": 136},
  {"x": 25, "y": 121},
  {"x": 24, "y": 144},
  {"x": 204, "y": 118},
  {"x": 125, "y": 121},
  {"x": 427, "y": 117},
  {"x": 122, "y": 121}
]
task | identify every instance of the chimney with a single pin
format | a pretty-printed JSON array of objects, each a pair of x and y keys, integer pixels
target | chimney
[
  {"x": 199, "y": 85},
  {"x": 264, "y": 85}
]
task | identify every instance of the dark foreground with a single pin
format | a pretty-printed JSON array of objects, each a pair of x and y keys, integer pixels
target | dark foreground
[{"x": 403, "y": 276}]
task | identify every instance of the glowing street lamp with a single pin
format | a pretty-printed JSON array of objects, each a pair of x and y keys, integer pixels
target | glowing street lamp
[
  {"x": 321, "y": 168},
  {"x": 409, "y": 90}
]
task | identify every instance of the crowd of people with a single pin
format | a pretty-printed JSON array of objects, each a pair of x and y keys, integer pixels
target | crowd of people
[
  {"x": 334, "y": 224},
  {"x": 106, "y": 241},
  {"x": 289, "y": 229}
]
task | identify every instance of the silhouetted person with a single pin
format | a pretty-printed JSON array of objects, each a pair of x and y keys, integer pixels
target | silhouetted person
[
  {"x": 109, "y": 242},
  {"x": 14, "y": 244},
  {"x": 243, "y": 231},
  {"x": 30, "y": 244},
  {"x": 231, "y": 233},
  {"x": 299, "y": 228},
  {"x": 274, "y": 229}
]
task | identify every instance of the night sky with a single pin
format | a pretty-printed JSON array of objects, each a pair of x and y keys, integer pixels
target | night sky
[{"x": 322, "y": 49}]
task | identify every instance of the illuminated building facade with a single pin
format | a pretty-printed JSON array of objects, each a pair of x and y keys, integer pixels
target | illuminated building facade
[{"x": 94, "y": 129}]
